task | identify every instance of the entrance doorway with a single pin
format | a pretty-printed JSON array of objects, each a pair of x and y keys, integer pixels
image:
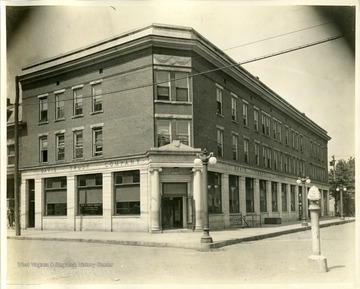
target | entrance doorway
[
  {"x": 173, "y": 215},
  {"x": 31, "y": 194}
]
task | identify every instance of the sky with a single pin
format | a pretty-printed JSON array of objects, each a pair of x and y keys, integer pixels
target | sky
[{"x": 319, "y": 80}]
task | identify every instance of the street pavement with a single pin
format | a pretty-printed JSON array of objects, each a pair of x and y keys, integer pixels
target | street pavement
[
  {"x": 175, "y": 238},
  {"x": 277, "y": 262}
]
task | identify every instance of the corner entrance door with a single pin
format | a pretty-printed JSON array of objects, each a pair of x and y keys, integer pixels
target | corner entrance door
[
  {"x": 31, "y": 194},
  {"x": 172, "y": 216}
]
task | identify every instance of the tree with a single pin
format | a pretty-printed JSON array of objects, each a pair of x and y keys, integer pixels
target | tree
[{"x": 344, "y": 175}]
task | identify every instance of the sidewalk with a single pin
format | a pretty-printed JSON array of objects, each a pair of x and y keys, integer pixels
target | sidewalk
[{"x": 174, "y": 238}]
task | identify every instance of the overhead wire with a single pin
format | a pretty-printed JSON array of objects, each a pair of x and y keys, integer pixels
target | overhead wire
[{"x": 212, "y": 70}]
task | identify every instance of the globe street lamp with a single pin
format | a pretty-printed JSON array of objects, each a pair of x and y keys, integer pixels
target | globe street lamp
[
  {"x": 303, "y": 181},
  {"x": 341, "y": 188},
  {"x": 204, "y": 159}
]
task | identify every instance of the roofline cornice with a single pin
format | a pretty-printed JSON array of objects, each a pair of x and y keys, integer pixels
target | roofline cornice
[{"x": 164, "y": 36}]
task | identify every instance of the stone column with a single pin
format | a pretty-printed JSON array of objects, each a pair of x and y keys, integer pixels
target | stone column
[
  {"x": 242, "y": 189},
  {"x": 279, "y": 198},
  {"x": 225, "y": 198},
  {"x": 24, "y": 201},
  {"x": 288, "y": 198},
  {"x": 71, "y": 204},
  {"x": 322, "y": 203},
  {"x": 107, "y": 202},
  {"x": 198, "y": 199},
  {"x": 39, "y": 203},
  {"x": 268, "y": 197},
  {"x": 155, "y": 201},
  {"x": 257, "y": 196}
]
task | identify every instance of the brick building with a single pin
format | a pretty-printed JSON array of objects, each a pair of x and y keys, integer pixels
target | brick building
[{"x": 115, "y": 127}]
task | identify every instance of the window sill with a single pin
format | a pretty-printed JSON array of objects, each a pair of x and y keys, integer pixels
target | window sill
[
  {"x": 55, "y": 217},
  {"x": 126, "y": 216},
  {"x": 77, "y": 116},
  {"x": 221, "y": 115},
  {"x": 89, "y": 217},
  {"x": 234, "y": 121},
  {"x": 96, "y": 112},
  {"x": 59, "y": 119},
  {"x": 98, "y": 157},
  {"x": 43, "y": 122},
  {"x": 173, "y": 102}
]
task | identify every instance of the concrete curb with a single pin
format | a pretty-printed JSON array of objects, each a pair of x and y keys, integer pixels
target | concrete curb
[{"x": 199, "y": 246}]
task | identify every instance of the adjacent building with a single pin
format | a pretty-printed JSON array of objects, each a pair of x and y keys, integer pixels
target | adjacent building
[{"x": 113, "y": 130}]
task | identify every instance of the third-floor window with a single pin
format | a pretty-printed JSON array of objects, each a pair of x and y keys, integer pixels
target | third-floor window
[
  {"x": 59, "y": 106},
  {"x": 171, "y": 86},
  {"x": 77, "y": 101},
  {"x": 96, "y": 97}
]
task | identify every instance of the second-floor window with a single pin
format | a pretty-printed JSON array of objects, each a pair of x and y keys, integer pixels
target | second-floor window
[
  {"x": 43, "y": 109},
  {"x": 43, "y": 143},
  {"x": 97, "y": 104},
  {"x": 169, "y": 130},
  {"x": 235, "y": 147},
  {"x": 59, "y": 106},
  {"x": 60, "y": 146},
  {"x": 246, "y": 151},
  {"x": 257, "y": 153},
  {"x": 97, "y": 142},
  {"x": 11, "y": 154},
  {"x": 256, "y": 119},
  {"x": 78, "y": 144},
  {"x": 220, "y": 142}
]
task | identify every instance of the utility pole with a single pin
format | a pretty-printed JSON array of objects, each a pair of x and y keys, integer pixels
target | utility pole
[{"x": 16, "y": 165}]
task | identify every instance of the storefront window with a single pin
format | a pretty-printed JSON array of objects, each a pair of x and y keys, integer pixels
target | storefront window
[
  {"x": 234, "y": 194},
  {"x": 263, "y": 203},
  {"x": 214, "y": 193},
  {"x": 127, "y": 193},
  {"x": 284, "y": 197},
  {"x": 55, "y": 196},
  {"x": 274, "y": 201},
  {"x": 292, "y": 197},
  {"x": 249, "y": 183},
  {"x": 90, "y": 194}
]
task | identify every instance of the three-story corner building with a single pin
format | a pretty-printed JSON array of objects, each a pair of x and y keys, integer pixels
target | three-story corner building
[{"x": 113, "y": 130}]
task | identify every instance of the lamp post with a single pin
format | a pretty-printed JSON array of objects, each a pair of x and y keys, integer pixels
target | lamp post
[
  {"x": 341, "y": 188},
  {"x": 303, "y": 181},
  {"x": 204, "y": 159}
]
